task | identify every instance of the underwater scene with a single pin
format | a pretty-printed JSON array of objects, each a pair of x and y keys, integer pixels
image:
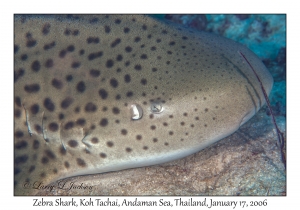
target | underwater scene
[{"x": 149, "y": 105}]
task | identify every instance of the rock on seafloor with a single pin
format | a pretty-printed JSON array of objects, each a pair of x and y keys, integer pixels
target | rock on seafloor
[{"x": 247, "y": 162}]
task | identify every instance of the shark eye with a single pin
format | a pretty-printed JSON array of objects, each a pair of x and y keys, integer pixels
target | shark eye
[
  {"x": 136, "y": 112},
  {"x": 156, "y": 107}
]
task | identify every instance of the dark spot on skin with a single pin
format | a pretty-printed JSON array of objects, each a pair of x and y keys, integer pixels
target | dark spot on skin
[
  {"x": 95, "y": 55},
  {"x": 117, "y": 21},
  {"x": 127, "y": 78},
  {"x": 55, "y": 171},
  {"x": 118, "y": 97},
  {"x": 49, "y": 105},
  {"x": 166, "y": 143},
  {"x": 94, "y": 20},
  {"x": 33, "y": 88},
  {"x": 137, "y": 39},
  {"x": 128, "y": 49},
  {"x": 69, "y": 78},
  {"x": 66, "y": 102},
  {"x": 144, "y": 56},
  {"x": 77, "y": 109},
  {"x": 127, "y": 63},
  {"x": 18, "y": 101},
  {"x": 139, "y": 137},
  {"x": 61, "y": 116},
  {"x": 21, "y": 145},
  {"x": 17, "y": 113},
  {"x": 75, "y": 65},
  {"x": 129, "y": 94},
  {"x": 94, "y": 73},
  {"x": 103, "y": 155},
  {"x": 94, "y": 140},
  {"x": 103, "y": 122},
  {"x": 91, "y": 40},
  {"x": 16, "y": 49},
  {"x": 75, "y": 32},
  {"x": 116, "y": 110},
  {"x": 182, "y": 123},
  {"x": 81, "y": 52},
  {"x": 21, "y": 159},
  {"x": 109, "y": 63},
  {"x": 143, "y": 81},
  {"x": 80, "y": 122},
  {"x": 114, "y": 83},
  {"x": 80, "y": 87},
  {"x": 67, "y": 32},
  {"x": 155, "y": 140},
  {"x": 67, "y": 165},
  {"x": 24, "y": 57},
  {"x": 103, "y": 93},
  {"x": 36, "y": 144},
  {"x": 62, "y": 53},
  {"x": 110, "y": 144},
  {"x": 185, "y": 114},
  {"x": 46, "y": 29},
  {"x": 126, "y": 30},
  {"x": 43, "y": 175},
  {"x": 49, "y": 63},
  {"x": 57, "y": 83},
  {"x": 165, "y": 124},
  {"x": 115, "y": 42},
  {"x": 62, "y": 150},
  {"x": 69, "y": 125},
  {"x": 153, "y": 127},
  {"x": 70, "y": 48},
  {"x": 124, "y": 132},
  {"x": 34, "y": 108},
  {"x": 31, "y": 169},
  {"x": 153, "y": 48},
  {"x": 18, "y": 74},
  {"x": 154, "y": 69},
  {"x": 80, "y": 162},
  {"x": 171, "y": 133},
  {"x": 50, "y": 154},
  {"x": 184, "y": 38},
  {"x": 128, "y": 149},
  {"x": 205, "y": 125},
  {"x": 172, "y": 43},
  {"x": 107, "y": 29},
  {"x": 73, "y": 143},
  {"x": 104, "y": 109},
  {"x": 17, "y": 171},
  {"x": 144, "y": 27},
  {"x": 44, "y": 160},
  {"x": 119, "y": 57},
  {"x": 35, "y": 66},
  {"x": 138, "y": 67},
  {"x": 30, "y": 43},
  {"x": 196, "y": 118},
  {"x": 38, "y": 128},
  {"x": 19, "y": 134},
  {"x": 49, "y": 46},
  {"x": 206, "y": 109},
  {"x": 53, "y": 126},
  {"x": 90, "y": 107}
]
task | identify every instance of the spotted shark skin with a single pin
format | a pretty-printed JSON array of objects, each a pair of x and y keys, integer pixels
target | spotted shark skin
[{"x": 77, "y": 80}]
